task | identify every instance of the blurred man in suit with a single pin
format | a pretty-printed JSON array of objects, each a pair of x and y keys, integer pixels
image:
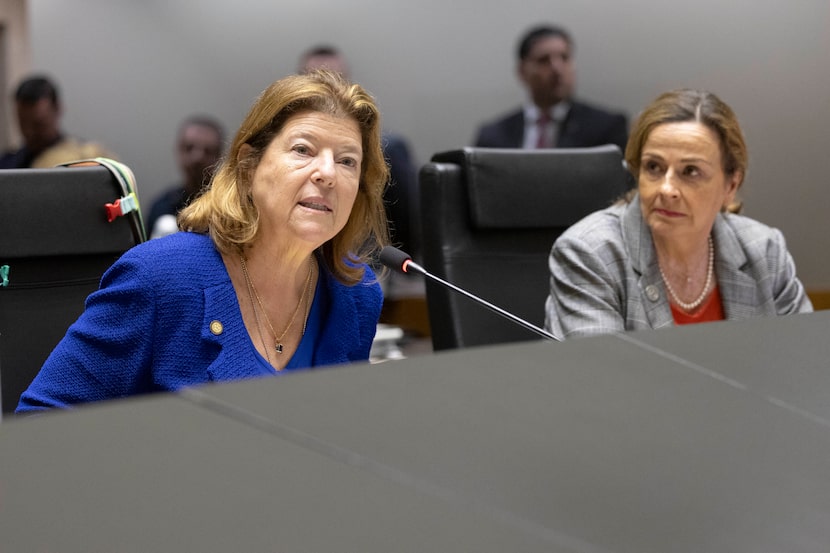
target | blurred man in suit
[
  {"x": 551, "y": 117},
  {"x": 39, "y": 110}
]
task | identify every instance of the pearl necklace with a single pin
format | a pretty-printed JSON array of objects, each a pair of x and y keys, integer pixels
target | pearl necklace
[{"x": 688, "y": 307}]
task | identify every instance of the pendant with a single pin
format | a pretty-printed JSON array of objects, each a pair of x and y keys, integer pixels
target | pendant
[{"x": 279, "y": 347}]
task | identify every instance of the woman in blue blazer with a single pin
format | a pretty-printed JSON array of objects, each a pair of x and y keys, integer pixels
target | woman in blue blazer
[
  {"x": 675, "y": 251},
  {"x": 269, "y": 272}
]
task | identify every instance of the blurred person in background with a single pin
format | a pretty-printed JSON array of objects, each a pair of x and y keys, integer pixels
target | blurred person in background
[
  {"x": 199, "y": 144},
  {"x": 39, "y": 110}
]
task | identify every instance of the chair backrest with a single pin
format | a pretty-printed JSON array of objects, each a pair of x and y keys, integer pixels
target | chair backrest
[
  {"x": 55, "y": 243},
  {"x": 489, "y": 218}
]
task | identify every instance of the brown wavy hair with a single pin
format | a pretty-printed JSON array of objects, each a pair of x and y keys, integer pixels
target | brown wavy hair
[
  {"x": 225, "y": 210},
  {"x": 692, "y": 105}
]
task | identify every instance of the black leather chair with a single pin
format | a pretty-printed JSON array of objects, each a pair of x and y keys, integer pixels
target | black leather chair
[
  {"x": 489, "y": 218},
  {"x": 55, "y": 243}
]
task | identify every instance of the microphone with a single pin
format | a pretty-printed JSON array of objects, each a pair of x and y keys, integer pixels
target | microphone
[{"x": 401, "y": 261}]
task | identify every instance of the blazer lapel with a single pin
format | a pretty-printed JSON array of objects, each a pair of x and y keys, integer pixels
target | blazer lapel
[
  {"x": 570, "y": 133},
  {"x": 224, "y": 333},
  {"x": 655, "y": 304},
  {"x": 514, "y": 130},
  {"x": 340, "y": 340},
  {"x": 738, "y": 289}
]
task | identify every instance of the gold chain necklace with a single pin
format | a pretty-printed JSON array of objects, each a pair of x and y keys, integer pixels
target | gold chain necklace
[
  {"x": 689, "y": 307},
  {"x": 252, "y": 293},
  {"x": 256, "y": 313}
]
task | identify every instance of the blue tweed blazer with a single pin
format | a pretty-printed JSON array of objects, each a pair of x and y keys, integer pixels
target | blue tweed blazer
[
  {"x": 152, "y": 326},
  {"x": 605, "y": 277}
]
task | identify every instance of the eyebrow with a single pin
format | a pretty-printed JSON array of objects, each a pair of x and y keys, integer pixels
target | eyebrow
[
  {"x": 348, "y": 145},
  {"x": 698, "y": 160},
  {"x": 645, "y": 155}
]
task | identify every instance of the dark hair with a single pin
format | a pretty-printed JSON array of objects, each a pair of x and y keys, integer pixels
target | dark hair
[
  {"x": 203, "y": 121},
  {"x": 542, "y": 31},
  {"x": 321, "y": 50},
  {"x": 36, "y": 88}
]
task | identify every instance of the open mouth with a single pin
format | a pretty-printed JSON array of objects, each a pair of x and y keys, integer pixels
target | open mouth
[{"x": 315, "y": 206}]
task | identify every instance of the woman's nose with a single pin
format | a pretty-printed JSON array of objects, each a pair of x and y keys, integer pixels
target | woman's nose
[
  {"x": 324, "y": 172},
  {"x": 668, "y": 185}
]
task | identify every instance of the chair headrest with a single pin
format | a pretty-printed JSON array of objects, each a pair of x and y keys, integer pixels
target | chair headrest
[
  {"x": 60, "y": 211},
  {"x": 514, "y": 188}
]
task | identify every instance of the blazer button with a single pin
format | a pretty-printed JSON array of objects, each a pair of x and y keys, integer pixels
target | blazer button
[
  {"x": 216, "y": 328},
  {"x": 652, "y": 292}
]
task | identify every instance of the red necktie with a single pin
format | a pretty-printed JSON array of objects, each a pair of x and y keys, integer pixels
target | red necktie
[{"x": 542, "y": 140}]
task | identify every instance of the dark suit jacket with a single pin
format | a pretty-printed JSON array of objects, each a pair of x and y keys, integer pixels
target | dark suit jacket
[{"x": 584, "y": 126}]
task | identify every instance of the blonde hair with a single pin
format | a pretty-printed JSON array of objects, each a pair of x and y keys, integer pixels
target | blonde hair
[
  {"x": 226, "y": 211},
  {"x": 692, "y": 105}
]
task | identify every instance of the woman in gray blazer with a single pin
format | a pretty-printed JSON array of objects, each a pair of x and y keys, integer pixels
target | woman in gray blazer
[{"x": 674, "y": 251}]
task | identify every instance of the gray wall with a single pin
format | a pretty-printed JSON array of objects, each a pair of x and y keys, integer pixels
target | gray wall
[{"x": 131, "y": 69}]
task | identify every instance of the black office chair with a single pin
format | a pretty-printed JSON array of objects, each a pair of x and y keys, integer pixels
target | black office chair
[
  {"x": 489, "y": 218},
  {"x": 60, "y": 229}
]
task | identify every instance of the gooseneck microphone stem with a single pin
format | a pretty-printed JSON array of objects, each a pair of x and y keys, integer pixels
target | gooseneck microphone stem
[{"x": 400, "y": 261}]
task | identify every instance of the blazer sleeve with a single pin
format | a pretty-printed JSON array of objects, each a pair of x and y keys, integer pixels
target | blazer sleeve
[
  {"x": 788, "y": 292},
  {"x": 107, "y": 352},
  {"x": 586, "y": 292}
]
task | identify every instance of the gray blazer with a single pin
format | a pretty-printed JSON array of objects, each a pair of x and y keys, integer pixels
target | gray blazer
[{"x": 605, "y": 277}]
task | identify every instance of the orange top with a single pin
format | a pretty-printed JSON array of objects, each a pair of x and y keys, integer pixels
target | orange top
[{"x": 710, "y": 310}]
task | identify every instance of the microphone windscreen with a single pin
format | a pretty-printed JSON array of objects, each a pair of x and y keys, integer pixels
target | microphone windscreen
[{"x": 394, "y": 258}]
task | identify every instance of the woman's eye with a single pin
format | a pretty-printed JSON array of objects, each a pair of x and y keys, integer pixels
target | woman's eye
[
  {"x": 652, "y": 167},
  {"x": 691, "y": 171},
  {"x": 349, "y": 162},
  {"x": 301, "y": 149}
]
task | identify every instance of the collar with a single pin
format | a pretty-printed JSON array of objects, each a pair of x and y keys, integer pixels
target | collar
[{"x": 558, "y": 113}]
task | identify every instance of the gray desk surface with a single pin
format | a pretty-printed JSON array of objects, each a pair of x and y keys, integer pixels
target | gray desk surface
[
  {"x": 651, "y": 442},
  {"x": 167, "y": 475},
  {"x": 785, "y": 359}
]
